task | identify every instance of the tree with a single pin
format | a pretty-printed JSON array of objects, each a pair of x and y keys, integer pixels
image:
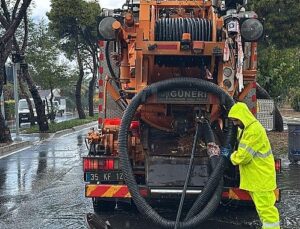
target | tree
[
  {"x": 279, "y": 51},
  {"x": 90, "y": 38},
  {"x": 43, "y": 59},
  {"x": 9, "y": 24},
  {"x": 74, "y": 22},
  {"x": 65, "y": 18},
  {"x": 20, "y": 40},
  {"x": 25, "y": 76},
  {"x": 92, "y": 83},
  {"x": 279, "y": 70},
  {"x": 281, "y": 21}
]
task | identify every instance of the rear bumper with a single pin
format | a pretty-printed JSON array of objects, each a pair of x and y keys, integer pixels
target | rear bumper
[
  {"x": 122, "y": 191},
  {"x": 24, "y": 117},
  {"x": 242, "y": 195}
]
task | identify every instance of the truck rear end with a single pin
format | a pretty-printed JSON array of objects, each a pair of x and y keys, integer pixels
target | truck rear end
[{"x": 173, "y": 69}]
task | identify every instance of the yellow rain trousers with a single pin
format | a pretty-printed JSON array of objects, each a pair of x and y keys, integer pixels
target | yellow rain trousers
[
  {"x": 266, "y": 210},
  {"x": 256, "y": 164}
]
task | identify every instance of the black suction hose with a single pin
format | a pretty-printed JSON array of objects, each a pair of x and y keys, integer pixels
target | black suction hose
[
  {"x": 218, "y": 165},
  {"x": 129, "y": 113},
  {"x": 187, "y": 179},
  {"x": 209, "y": 138},
  {"x": 111, "y": 71},
  {"x": 206, "y": 194}
]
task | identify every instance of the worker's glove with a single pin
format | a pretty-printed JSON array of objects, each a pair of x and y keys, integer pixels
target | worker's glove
[
  {"x": 226, "y": 151},
  {"x": 213, "y": 149}
]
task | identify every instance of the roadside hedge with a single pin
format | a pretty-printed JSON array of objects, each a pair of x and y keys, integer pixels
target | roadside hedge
[
  {"x": 54, "y": 127},
  {"x": 295, "y": 98},
  {"x": 9, "y": 109}
]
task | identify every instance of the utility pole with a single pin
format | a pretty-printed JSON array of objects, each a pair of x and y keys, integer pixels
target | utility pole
[{"x": 16, "y": 59}]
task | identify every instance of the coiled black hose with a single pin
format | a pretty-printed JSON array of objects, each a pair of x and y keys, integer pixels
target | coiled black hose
[
  {"x": 129, "y": 113},
  {"x": 171, "y": 29}
]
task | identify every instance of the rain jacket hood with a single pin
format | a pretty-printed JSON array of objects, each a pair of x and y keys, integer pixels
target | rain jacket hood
[{"x": 241, "y": 112}]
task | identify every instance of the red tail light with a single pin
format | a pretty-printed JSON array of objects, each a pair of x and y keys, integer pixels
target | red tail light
[
  {"x": 90, "y": 164},
  {"x": 109, "y": 164},
  {"x": 144, "y": 191},
  {"x": 278, "y": 165}
]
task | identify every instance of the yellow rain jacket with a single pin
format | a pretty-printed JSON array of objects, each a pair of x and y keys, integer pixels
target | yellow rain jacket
[{"x": 254, "y": 155}]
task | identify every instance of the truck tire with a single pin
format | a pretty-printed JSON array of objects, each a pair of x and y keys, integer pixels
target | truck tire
[
  {"x": 261, "y": 93},
  {"x": 101, "y": 205}
]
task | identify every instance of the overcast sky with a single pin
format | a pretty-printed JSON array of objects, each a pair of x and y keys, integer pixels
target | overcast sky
[{"x": 43, "y": 6}]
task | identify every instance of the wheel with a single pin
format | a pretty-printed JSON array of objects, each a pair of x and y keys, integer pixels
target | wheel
[{"x": 101, "y": 205}]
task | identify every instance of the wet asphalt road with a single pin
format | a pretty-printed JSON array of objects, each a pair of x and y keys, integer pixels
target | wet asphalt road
[{"x": 42, "y": 187}]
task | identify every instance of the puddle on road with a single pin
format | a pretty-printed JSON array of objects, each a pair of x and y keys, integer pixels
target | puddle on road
[
  {"x": 233, "y": 217},
  {"x": 289, "y": 206},
  {"x": 131, "y": 220}
]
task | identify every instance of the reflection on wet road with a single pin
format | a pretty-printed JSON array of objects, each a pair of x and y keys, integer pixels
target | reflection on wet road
[
  {"x": 289, "y": 206},
  {"x": 42, "y": 187}
]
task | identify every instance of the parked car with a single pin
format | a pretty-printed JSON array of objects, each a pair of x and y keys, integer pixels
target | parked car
[
  {"x": 24, "y": 113},
  {"x": 62, "y": 106}
]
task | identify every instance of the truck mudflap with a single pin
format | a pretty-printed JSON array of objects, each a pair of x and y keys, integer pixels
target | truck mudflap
[{"x": 122, "y": 191}]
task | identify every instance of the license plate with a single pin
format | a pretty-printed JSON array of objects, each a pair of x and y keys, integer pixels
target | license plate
[{"x": 104, "y": 176}]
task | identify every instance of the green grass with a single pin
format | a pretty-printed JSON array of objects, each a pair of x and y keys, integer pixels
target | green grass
[{"x": 54, "y": 127}]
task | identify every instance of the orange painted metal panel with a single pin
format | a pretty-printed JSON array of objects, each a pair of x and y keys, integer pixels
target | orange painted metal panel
[{"x": 239, "y": 194}]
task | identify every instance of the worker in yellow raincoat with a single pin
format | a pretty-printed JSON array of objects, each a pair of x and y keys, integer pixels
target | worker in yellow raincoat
[{"x": 256, "y": 164}]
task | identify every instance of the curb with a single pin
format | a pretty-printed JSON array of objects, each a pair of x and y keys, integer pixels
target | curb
[
  {"x": 74, "y": 129},
  {"x": 17, "y": 145},
  {"x": 14, "y": 146}
]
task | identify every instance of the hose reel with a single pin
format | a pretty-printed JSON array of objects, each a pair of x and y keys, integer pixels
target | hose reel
[{"x": 171, "y": 29}]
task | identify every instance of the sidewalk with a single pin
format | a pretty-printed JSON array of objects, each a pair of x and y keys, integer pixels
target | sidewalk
[{"x": 31, "y": 139}]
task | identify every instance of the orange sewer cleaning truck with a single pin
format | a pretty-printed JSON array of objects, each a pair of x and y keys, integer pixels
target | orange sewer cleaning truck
[{"x": 169, "y": 71}]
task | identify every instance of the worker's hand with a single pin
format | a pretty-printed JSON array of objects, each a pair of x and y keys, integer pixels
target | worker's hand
[{"x": 226, "y": 151}]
